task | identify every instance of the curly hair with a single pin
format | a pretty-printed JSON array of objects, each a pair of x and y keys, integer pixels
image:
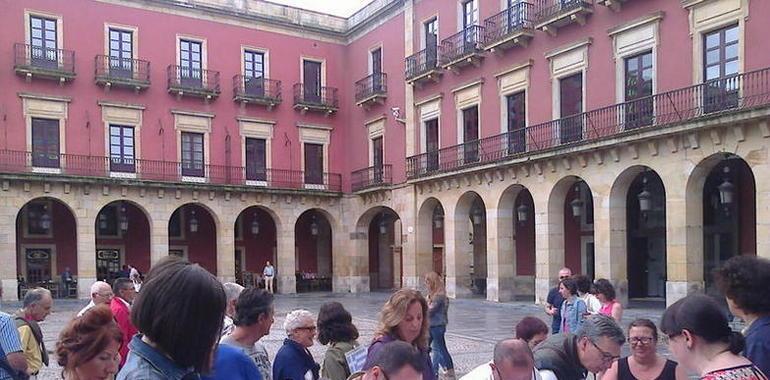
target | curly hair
[
  {"x": 394, "y": 312},
  {"x": 742, "y": 279},
  {"x": 85, "y": 337},
  {"x": 335, "y": 324},
  {"x": 604, "y": 286}
]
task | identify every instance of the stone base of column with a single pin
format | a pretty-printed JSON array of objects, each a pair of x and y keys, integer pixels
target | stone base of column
[
  {"x": 359, "y": 284},
  {"x": 457, "y": 287},
  {"x": 501, "y": 289},
  {"x": 340, "y": 284},
  {"x": 84, "y": 287},
  {"x": 413, "y": 282},
  {"x": 542, "y": 287},
  {"x": 287, "y": 285},
  {"x": 676, "y": 290},
  {"x": 10, "y": 289}
]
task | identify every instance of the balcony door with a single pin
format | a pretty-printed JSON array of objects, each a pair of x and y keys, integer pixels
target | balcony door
[
  {"x": 122, "y": 149},
  {"x": 431, "y": 43},
  {"x": 376, "y": 70},
  {"x": 377, "y": 158},
  {"x": 517, "y": 122},
  {"x": 431, "y": 143},
  {"x": 470, "y": 18},
  {"x": 254, "y": 73},
  {"x": 192, "y": 154},
  {"x": 190, "y": 66},
  {"x": 121, "y": 53},
  {"x": 311, "y": 78},
  {"x": 45, "y": 143},
  {"x": 639, "y": 106},
  {"x": 314, "y": 164},
  {"x": 256, "y": 159},
  {"x": 720, "y": 66},
  {"x": 571, "y": 108},
  {"x": 43, "y": 48},
  {"x": 471, "y": 134},
  {"x": 514, "y": 14}
]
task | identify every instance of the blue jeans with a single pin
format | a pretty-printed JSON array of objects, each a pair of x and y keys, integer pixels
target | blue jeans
[{"x": 438, "y": 351}]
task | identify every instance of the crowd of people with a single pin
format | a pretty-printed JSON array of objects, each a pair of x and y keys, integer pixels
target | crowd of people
[{"x": 184, "y": 324}]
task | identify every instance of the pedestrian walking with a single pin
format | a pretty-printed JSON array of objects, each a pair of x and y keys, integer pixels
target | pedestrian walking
[
  {"x": 554, "y": 301},
  {"x": 269, "y": 273},
  {"x": 744, "y": 280},
  {"x": 89, "y": 346},
  {"x": 573, "y": 309},
  {"x": 645, "y": 363},
  {"x": 438, "y": 309},
  {"x": 179, "y": 315},
  {"x": 701, "y": 340},
  {"x": 253, "y": 317},
  {"x": 605, "y": 292},
  {"x": 532, "y": 330},
  {"x": 336, "y": 329},
  {"x": 293, "y": 360},
  {"x": 403, "y": 318},
  {"x": 36, "y": 307}
]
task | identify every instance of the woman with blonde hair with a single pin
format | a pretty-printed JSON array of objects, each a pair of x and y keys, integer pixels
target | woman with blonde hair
[
  {"x": 438, "y": 308},
  {"x": 403, "y": 318}
]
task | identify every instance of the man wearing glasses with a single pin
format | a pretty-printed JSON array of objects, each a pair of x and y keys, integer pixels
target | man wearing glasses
[
  {"x": 594, "y": 348},
  {"x": 554, "y": 301},
  {"x": 101, "y": 294},
  {"x": 396, "y": 360}
]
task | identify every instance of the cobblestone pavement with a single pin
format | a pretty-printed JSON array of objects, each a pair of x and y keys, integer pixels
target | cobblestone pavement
[{"x": 474, "y": 324}]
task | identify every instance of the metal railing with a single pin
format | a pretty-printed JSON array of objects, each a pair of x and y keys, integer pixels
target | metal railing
[
  {"x": 197, "y": 80},
  {"x": 461, "y": 44},
  {"x": 163, "y": 171},
  {"x": 735, "y": 93},
  {"x": 372, "y": 176},
  {"x": 508, "y": 22},
  {"x": 247, "y": 87},
  {"x": 548, "y": 9},
  {"x": 374, "y": 84},
  {"x": 316, "y": 96},
  {"x": 121, "y": 69},
  {"x": 421, "y": 62},
  {"x": 47, "y": 59}
]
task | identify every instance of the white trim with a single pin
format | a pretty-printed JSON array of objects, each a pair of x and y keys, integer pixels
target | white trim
[
  {"x": 125, "y": 28},
  {"x": 204, "y": 49},
  {"x": 45, "y": 107},
  {"x": 322, "y": 61},
  {"x": 631, "y": 39},
  {"x": 265, "y": 62},
  {"x": 372, "y": 49},
  {"x": 129, "y": 115},
  {"x": 251, "y": 128},
  {"x": 708, "y": 16},
  {"x": 28, "y": 13},
  {"x": 423, "y": 23}
]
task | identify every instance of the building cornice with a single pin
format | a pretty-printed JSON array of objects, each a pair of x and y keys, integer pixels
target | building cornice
[
  {"x": 28, "y": 95},
  {"x": 653, "y": 17}
]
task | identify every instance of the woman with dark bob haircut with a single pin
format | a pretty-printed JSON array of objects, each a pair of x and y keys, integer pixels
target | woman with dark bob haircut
[
  {"x": 88, "y": 347},
  {"x": 179, "y": 316},
  {"x": 701, "y": 340},
  {"x": 744, "y": 280},
  {"x": 531, "y": 330},
  {"x": 335, "y": 327}
]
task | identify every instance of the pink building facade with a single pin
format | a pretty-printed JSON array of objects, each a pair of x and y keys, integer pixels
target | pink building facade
[{"x": 491, "y": 141}]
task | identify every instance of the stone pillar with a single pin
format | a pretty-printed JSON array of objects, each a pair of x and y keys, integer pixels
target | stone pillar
[
  {"x": 286, "y": 262},
  {"x": 226, "y": 248},
  {"x": 159, "y": 233},
  {"x": 359, "y": 260},
  {"x": 549, "y": 243},
  {"x": 501, "y": 256},
  {"x": 762, "y": 183},
  {"x": 8, "y": 252},
  {"x": 346, "y": 271},
  {"x": 86, "y": 249},
  {"x": 684, "y": 240},
  {"x": 457, "y": 254},
  {"x": 610, "y": 241}
]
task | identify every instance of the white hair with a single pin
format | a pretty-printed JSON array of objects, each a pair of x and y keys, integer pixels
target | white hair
[
  {"x": 296, "y": 319},
  {"x": 232, "y": 291},
  {"x": 99, "y": 285}
]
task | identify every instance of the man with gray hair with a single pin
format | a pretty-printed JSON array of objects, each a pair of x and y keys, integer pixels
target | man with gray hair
[
  {"x": 101, "y": 294},
  {"x": 513, "y": 360},
  {"x": 232, "y": 292},
  {"x": 35, "y": 308},
  {"x": 293, "y": 360},
  {"x": 592, "y": 349}
]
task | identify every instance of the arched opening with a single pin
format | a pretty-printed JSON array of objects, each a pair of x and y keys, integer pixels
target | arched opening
[
  {"x": 46, "y": 247},
  {"x": 255, "y": 245},
  {"x": 430, "y": 241},
  {"x": 524, "y": 237},
  {"x": 122, "y": 233},
  {"x": 515, "y": 252},
  {"x": 384, "y": 237},
  {"x": 471, "y": 244},
  {"x": 313, "y": 252},
  {"x": 579, "y": 229},
  {"x": 646, "y": 236},
  {"x": 437, "y": 240},
  {"x": 192, "y": 235}
]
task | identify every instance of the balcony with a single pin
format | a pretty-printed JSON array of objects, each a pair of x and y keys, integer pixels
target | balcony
[
  {"x": 186, "y": 81},
  {"x": 20, "y": 162},
  {"x": 550, "y": 15},
  {"x": 372, "y": 90},
  {"x": 260, "y": 91},
  {"x": 612, "y": 4},
  {"x": 463, "y": 48},
  {"x": 509, "y": 28},
  {"x": 371, "y": 177},
  {"x": 315, "y": 98},
  {"x": 714, "y": 98},
  {"x": 423, "y": 67},
  {"x": 119, "y": 72},
  {"x": 33, "y": 61}
]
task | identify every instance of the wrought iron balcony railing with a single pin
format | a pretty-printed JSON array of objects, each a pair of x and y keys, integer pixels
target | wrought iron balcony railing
[
  {"x": 551, "y": 10},
  {"x": 462, "y": 44},
  {"x": 194, "y": 82},
  {"x": 164, "y": 171},
  {"x": 373, "y": 85},
  {"x": 122, "y": 72},
  {"x": 735, "y": 93},
  {"x": 500, "y": 27},
  {"x": 308, "y": 96},
  {"x": 256, "y": 90},
  {"x": 372, "y": 176},
  {"x": 32, "y": 60},
  {"x": 421, "y": 63}
]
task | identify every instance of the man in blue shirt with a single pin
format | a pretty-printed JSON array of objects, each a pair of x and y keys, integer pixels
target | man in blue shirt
[
  {"x": 554, "y": 301},
  {"x": 11, "y": 355},
  {"x": 232, "y": 363}
]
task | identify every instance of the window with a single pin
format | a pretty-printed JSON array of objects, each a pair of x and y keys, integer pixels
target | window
[
  {"x": 311, "y": 77},
  {"x": 517, "y": 122},
  {"x": 192, "y": 154},
  {"x": 471, "y": 134},
  {"x": 256, "y": 159},
  {"x": 571, "y": 107},
  {"x": 37, "y": 212},
  {"x": 720, "y": 63},
  {"x": 638, "y": 88},
  {"x": 43, "y": 44},
  {"x": 515, "y": 14},
  {"x": 107, "y": 221},
  {"x": 470, "y": 13},
  {"x": 254, "y": 72},
  {"x": 376, "y": 56},
  {"x": 431, "y": 143},
  {"x": 314, "y": 164},
  {"x": 377, "y": 158},
  {"x": 122, "y": 149},
  {"x": 431, "y": 42},
  {"x": 45, "y": 143},
  {"x": 190, "y": 63},
  {"x": 121, "y": 53}
]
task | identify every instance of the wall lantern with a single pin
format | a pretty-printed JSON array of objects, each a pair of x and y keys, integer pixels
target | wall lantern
[
  {"x": 383, "y": 225},
  {"x": 193, "y": 222},
  {"x": 522, "y": 213},
  {"x": 314, "y": 227},
  {"x": 726, "y": 190},
  {"x": 123, "y": 219},
  {"x": 45, "y": 219},
  {"x": 645, "y": 197},
  {"x": 438, "y": 220},
  {"x": 577, "y": 203},
  {"x": 477, "y": 216},
  {"x": 255, "y": 226},
  {"x": 102, "y": 221}
]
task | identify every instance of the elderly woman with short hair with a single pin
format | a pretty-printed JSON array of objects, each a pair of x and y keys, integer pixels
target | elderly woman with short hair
[{"x": 293, "y": 360}]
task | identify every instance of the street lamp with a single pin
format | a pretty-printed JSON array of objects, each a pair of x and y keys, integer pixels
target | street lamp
[
  {"x": 102, "y": 221},
  {"x": 383, "y": 224},
  {"x": 522, "y": 213},
  {"x": 438, "y": 219},
  {"x": 477, "y": 216},
  {"x": 577, "y": 203},
  {"x": 45, "y": 219},
  {"x": 645, "y": 197},
  {"x": 193, "y": 222},
  {"x": 726, "y": 190},
  {"x": 314, "y": 227},
  {"x": 123, "y": 219},
  {"x": 255, "y": 226}
]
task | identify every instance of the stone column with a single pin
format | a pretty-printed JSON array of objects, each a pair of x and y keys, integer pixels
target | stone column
[
  {"x": 286, "y": 262},
  {"x": 159, "y": 233},
  {"x": 86, "y": 249},
  {"x": 684, "y": 240},
  {"x": 226, "y": 248},
  {"x": 762, "y": 183},
  {"x": 8, "y": 253},
  {"x": 610, "y": 241},
  {"x": 549, "y": 243},
  {"x": 501, "y": 262},
  {"x": 457, "y": 253}
]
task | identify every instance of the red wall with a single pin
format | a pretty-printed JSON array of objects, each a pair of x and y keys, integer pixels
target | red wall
[
  {"x": 64, "y": 238},
  {"x": 136, "y": 240},
  {"x": 201, "y": 245},
  {"x": 259, "y": 248},
  {"x": 525, "y": 237}
]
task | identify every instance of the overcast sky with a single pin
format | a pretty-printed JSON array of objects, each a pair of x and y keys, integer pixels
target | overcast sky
[{"x": 342, "y": 8}]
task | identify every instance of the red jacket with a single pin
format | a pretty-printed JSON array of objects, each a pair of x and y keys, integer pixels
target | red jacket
[{"x": 122, "y": 315}]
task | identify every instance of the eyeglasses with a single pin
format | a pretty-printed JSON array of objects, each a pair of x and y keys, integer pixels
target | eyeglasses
[
  {"x": 308, "y": 328},
  {"x": 563, "y": 277},
  {"x": 643, "y": 340},
  {"x": 606, "y": 356}
]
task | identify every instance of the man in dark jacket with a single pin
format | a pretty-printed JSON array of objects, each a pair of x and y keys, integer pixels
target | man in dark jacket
[
  {"x": 592, "y": 349},
  {"x": 554, "y": 301}
]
